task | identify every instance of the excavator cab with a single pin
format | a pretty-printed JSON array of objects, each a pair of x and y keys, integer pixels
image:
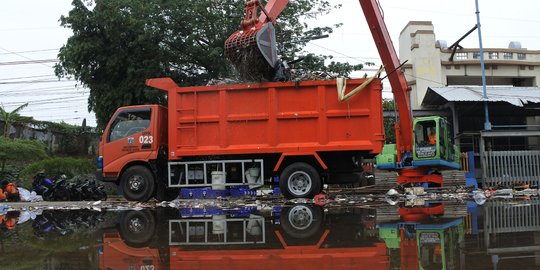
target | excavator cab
[
  {"x": 421, "y": 240},
  {"x": 432, "y": 142},
  {"x": 253, "y": 50},
  {"x": 433, "y": 147}
]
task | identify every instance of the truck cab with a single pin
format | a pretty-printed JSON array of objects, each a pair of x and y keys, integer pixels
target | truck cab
[{"x": 130, "y": 146}]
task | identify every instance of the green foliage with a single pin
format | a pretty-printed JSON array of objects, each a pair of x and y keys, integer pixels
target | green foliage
[
  {"x": 389, "y": 130},
  {"x": 312, "y": 62},
  {"x": 117, "y": 44},
  {"x": 58, "y": 166},
  {"x": 19, "y": 150}
]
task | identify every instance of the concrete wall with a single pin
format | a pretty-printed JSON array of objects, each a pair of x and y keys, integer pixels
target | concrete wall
[
  {"x": 417, "y": 44},
  {"x": 87, "y": 143}
]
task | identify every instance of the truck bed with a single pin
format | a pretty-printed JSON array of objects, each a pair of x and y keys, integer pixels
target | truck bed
[{"x": 272, "y": 117}]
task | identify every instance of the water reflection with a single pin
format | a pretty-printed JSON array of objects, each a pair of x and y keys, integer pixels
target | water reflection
[
  {"x": 290, "y": 236},
  {"x": 497, "y": 235}
]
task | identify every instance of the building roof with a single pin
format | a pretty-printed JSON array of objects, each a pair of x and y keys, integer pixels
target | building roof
[{"x": 517, "y": 96}]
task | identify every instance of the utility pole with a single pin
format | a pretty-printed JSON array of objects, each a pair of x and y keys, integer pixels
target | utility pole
[{"x": 487, "y": 124}]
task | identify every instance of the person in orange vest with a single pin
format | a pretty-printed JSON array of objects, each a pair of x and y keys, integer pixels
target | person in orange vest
[
  {"x": 9, "y": 192},
  {"x": 432, "y": 137},
  {"x": 9, "y": 220}
]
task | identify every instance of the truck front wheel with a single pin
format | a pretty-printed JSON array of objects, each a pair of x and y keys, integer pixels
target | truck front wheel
[
  {"x": 299, "y": 180},
  {"x": 138, "y": 184}
]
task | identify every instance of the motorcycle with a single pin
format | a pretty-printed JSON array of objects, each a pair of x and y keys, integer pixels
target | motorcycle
[
  {"x": 41, "y": 183},
  {"x": 98, "y": 191},
  {"x": 58, "y": 192}
]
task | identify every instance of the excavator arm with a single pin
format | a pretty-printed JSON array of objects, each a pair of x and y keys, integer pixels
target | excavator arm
[{"x": 388, "y": 55}]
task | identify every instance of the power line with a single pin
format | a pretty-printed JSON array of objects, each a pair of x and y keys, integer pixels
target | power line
[
  {"x": 27, "y": 58},
  {"x": 32, "y": 51},
  {"x": 29, "y": 28},
  {"x": 421, "y": 78},
  {"x": 77, "y": 106},
  {"x": 334, "y": 51},
  {"x": 46, "y": 101},
  {"x": 47, "y": 93},
  {"x": 37, "y": 81},
  {"x": 38, "y": 89},
  {"x": 27, "y": 77},
  {"x": 27, "y": 62}
]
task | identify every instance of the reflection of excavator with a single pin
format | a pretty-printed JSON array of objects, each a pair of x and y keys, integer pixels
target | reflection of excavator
[
  {"x": 424, "y": 238},
  {"x": 413, "y": 156},
  {"x": 291, "y": 237}
]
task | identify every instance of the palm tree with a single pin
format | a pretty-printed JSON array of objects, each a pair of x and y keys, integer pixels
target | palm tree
[{"x": 12, "y": 117}]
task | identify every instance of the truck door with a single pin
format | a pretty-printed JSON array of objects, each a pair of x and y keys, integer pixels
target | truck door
[{"x": 130, "y": 136}]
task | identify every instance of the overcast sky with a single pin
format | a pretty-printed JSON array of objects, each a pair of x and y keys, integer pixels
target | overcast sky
[{"x": 30, "y": 32}]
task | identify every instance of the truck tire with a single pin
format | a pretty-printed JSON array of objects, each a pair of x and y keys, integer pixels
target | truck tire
[
  {"x": 301, "y": 221},
  {"x": 138, "y": 184},
  {"x": 137, "y": 228},
  {"x": 300, "y": 180}
]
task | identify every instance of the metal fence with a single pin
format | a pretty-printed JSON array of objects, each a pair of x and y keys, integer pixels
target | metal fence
[
  {"x": 509, "y": 167},
  {"x": 502, "y": 217}
]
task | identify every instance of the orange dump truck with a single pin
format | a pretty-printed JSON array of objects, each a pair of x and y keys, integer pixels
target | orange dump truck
[{"x": 296, "y": 133}]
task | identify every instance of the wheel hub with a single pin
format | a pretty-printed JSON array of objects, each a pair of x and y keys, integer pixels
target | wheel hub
[
  {"x": 135, "y": 225},
  {"x": 300, "y": 217},
  {"x": 299, "y": 183},
  {"x": 135, "y": 183}
]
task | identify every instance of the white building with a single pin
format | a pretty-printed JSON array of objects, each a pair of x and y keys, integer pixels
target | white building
[{"x": 430, "y": 63}]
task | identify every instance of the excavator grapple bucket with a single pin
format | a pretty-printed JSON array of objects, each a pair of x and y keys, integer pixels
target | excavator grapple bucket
[{"x": 252, "y": 50}]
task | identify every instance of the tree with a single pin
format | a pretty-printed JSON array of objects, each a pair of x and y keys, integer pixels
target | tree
[
  {"x": 389, "y": 129},
  {"x": 12, "y": 117},
  {"x": 117, "y": 44}
]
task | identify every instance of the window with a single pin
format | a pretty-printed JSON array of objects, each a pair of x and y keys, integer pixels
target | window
[
  {"x": 128, "y": 123},
  {"x": 461, "y": 56},
  {"x": 508, "y": 55},
  {"x": 494, "y": 67},
  {"x": 457, "y": 66},
  {"x": 521, "y": 56},
  {"x": 531, "y": 67},
  {"x": 448, "y": 67},
  {"x": 521, "y": 67},
  {"x": 426, "y": 139},
  {"x": 493, "y": 55},
  {"x": 476, "y": 55}
]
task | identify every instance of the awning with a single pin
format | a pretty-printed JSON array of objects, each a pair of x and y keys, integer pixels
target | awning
[{"x": 517, "y": 96}]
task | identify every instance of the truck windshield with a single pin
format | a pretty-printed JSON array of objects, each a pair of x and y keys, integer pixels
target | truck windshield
[{"x": 128, "y": 123}]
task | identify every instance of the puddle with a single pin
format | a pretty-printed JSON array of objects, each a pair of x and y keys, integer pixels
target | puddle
[{"x": 500, "y": 234}]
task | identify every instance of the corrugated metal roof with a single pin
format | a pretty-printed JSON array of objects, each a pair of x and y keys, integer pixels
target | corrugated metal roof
[{"x": 517, "y": 96}]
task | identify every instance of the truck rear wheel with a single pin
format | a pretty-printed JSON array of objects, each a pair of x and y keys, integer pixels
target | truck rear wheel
[
  {"x": 301, "y": 221},
  {"x": 138, "y": 184},
  {"x": 299, "y": 180}
]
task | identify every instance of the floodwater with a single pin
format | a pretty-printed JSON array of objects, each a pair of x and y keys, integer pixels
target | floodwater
[{"x": 500, "y": 234}]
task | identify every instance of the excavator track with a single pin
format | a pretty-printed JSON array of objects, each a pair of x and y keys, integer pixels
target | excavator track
[{"x": 451, "y": 178}]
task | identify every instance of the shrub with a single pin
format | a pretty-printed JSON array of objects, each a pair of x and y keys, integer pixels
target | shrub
[
  {"x": 58, "y": 166},
  {"x": 17, "y": 151}
]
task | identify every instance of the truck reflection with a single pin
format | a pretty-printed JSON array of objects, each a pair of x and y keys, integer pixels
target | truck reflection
[
  {"x": 293, "y": 236},
  {"x": 290, "y": 236}
]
